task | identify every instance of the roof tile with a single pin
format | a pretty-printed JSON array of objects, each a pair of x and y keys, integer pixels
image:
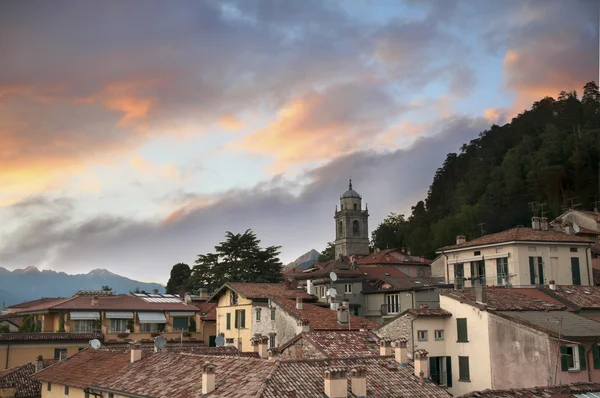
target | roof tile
[
  {"x": 509, "y": 299},
  {"x": 565, "y": 391},
  {"x": 20, "y": 378}
]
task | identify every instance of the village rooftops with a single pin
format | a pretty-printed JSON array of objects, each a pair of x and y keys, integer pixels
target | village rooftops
[
  {"x": 560, "y": 324},
  {"x": 320, "y": 318},
  {"x": 578, "y": 297},
  {"x": 339, "y": 344},
  {"x": 374, "y": 273},
  {"x": 20, "y": 379},
  {"x": 508, "y": 299},
  {"x": 208, "y": 311},
  {"x": 190, "y": 349},
  {"x": 30, "y": 337},
  {"x": 12, "y": 318},
  {"x": 575, "y": 390},
  {"x": 343, "y": 270},
  {"x": 434, "y": 312},
  {"x": 385, "y": 378},
  {"x": 388, "y": 284},
  {"x": 167, "y": 375},
  {"x": 385, "y": 257},
  {"x": 518, "y": 234},
  {"x": 262, "y": 291}
]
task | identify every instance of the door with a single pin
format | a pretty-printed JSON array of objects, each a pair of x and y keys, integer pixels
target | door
[
  {"x": 438, "y": 370},
  {"x": 434, "y": 370},
  {"x": 477, "y": 273},
  {"x": 575, "y": 271},
  {"x": 536, "y": 270},
  {"x": 553, "y": 268}
]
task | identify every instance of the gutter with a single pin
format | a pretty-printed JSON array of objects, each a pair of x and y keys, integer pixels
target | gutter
[
  {"x": 7, "y": 351},
  {"x": 590, "y": 280}
]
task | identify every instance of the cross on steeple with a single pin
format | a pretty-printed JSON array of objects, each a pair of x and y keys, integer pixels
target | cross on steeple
[{"x": 350, "y": 184}]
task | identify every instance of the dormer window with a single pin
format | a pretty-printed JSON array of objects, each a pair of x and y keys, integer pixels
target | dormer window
[{"x": 233, "y": 298}]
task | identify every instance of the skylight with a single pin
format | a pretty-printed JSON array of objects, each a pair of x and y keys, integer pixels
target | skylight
[
  {"x": 418, "y": 282},
  {"x": 568, "y": 291},
  {"x": 386, "y": 274},
  {"x": 586, "y": 292}
]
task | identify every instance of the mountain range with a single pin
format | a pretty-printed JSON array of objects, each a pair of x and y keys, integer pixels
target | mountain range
[
  {"x": 304, "y": 261},
  {"x": 30, "y": 283}
]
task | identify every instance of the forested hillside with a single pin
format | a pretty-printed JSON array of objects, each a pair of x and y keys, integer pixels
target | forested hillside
[{"x": 548, "y": 154}]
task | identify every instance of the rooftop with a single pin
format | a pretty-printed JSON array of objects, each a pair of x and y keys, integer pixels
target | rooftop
[
  {"x": 575, "y": 390},
  {"x": 208, "y": 311},
  {"x": 190, "y": 349},
  {"x": 519, "y": 234},
  {"x": 428, "y": 312},
  {"x": 338, "y": 344},
  {"x": 320, "y": 318},
  {"x": 323, "y": 269},
  {"x": 12, "y": 318},
  {"x": 558, "y": 323},
  {"x": 587, "y": 297},
  {"x": 166, "y": 375},
  {"x": 50, "y": 336},
  {"x": 304, "y": 379},
  {"x": 85, "y": 368},
  {"x": 20, "y": 378},
  {"x": 373, "y": 273},
  {"x": 33, "y": 303},
  {"x": 508, "y": 299},
  {"x": 263, "y": 290},
  {"x": 390, "y": 256},
  {"x": 389, "y": 284}
]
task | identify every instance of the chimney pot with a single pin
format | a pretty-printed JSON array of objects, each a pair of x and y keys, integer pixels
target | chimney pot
[
  {"x": 94, "y": 300},
  {"x": 299, "y": 303},
  {"x": 154, "y": 291},
  {"x": 544, "y": 224},
  {"x": 535, "y": 223},
  {"x": 403, "y": 250},
  {"x": 336, "y": 382},
  {"x": 136, "y": 352},
  {"x": 408, "y": 251},
  {"x": 39, "y": 363},
  {"x": 358, "y": 378},
  {"x": 420, "y": 357},
  {"x": 552, "y": 285},
  {"x": 260, "y": 345},
  {"x": 460, "y": 239},
  {"x": 385, "y": 347},
  {"x": 208, "y": 378},
  {"x": 401, "y": 351},
  {"x": 421, "y": 378},
  {"x": 342, "y": 315}
]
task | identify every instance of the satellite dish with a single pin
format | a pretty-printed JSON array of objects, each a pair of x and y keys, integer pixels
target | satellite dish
[
  {"x": 160, "y": 343},
  {"x": 333, "y": 276},
  {"x": 575, "y": 228},
  {"x": 219, "y": 341},
  {"x": 95, "y": 344}
]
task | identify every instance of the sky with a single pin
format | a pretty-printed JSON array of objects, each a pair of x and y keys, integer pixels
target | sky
[{"x": 134, "y": 134}]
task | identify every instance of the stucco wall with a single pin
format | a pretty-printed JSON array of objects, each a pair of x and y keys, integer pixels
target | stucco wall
[
  {"x": 438, "y": 268},
  {"x": 566, "y": 377},
  {"x": 20, "y": 354},
  {"x": 239, "y": 336},
  {"x": 58, "y": 391},
  {"x": 520, "y": 357},
  {"x": 435, "y": 348}
]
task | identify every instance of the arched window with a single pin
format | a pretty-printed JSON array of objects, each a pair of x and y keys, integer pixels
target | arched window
[
  {"x": 355, "y": 206},
  {"x": 355, "y": 228},
  {"x": 341, "y": 228}
]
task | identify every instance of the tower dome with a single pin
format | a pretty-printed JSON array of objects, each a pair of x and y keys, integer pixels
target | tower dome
[{"x": 350, "y": 193}]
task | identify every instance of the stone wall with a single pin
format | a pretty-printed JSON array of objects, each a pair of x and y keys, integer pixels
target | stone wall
[
  {"x": 438, "y": 267},
  {"x": 398, "y": 328},
  {"x": 301, "y": 349}
]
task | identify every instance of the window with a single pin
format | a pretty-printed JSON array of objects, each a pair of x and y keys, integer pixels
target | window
[
  {"x": 553, "y": 248},
  {"x": 233, "y": 298},
  {"x": 463, "y": 369},
  {"x": 573, "y": 249},
  {"x": 86, "y": 326},
  {"x": 240, "y": 319},
  {"x": 111, "y": 395},
  {"x": 572, "y": 357},
  {"x": 322, "y": 291},
  {"x": 477, "y": 273},
  {"x": 341, "y": 227},
  {"x": 229, "y": 341},
  {"x": 355, "y": 228},
  {"x": 393, "y": 303},
  {"x": 422, "y": 335},
  {"x": 228, "y": 327},
  {"x": 151, "y": 327},
  {"x": 272, "y": 340},
  {"x": 420, "y": 272},
  {"x": 118, "y": 325},
  {"x": 459, "y": 274},
  {"x": 536, "y": 270},
  {"x": 66, "y": 390},
  {"x": 461, "y": 329},
  {"x": 273, "y": 314},
  {"x": 355, "y": 207},
  {"x": 258, "y": 315},
  {"x": 439, "y": 335},
  {"x": 502, "y": 271},
  {"x": 575, "y": 271},
  {"x": 180, "y": 323},
  {"x": 58, "y": 352},
  {"x": 531, "y": 248},
  {"x": 348, "y": 288},
  {"x": 49, "y": 387},
  {"x": 477, "y": 253},
  {"x": 596, "y": 356}
]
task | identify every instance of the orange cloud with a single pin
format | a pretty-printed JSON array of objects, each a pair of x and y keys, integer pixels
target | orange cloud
[
  {"x": 169, "y": 171},
  {"x": 230, "y": 123}
]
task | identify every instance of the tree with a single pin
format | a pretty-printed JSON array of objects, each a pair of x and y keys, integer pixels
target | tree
[
  {"x": 180, "y": 275},
  {"x": 106, "y": 288},
  {"x": 30, "y": 324},
  {"x": 237, "y": 259},
  {"x": 4, "y": 328},
  {"x": 328, "y": 254},
  {"x": 138, "y": 291}
]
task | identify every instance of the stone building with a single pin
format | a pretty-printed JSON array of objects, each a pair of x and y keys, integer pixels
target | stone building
[{"x": 351, "y": 225}]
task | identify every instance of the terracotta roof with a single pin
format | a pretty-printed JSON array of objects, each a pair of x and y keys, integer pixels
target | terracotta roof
[
  {"x": 85, "y": 368},
  {"x": 386, "y": 257},
  {"x": 320, "y": 318},
  {"x": 167, "y": 375},
  {"x": 50, "y": 336},
  {"x": 20, "y": 378},
  {"x": 380, "y": 272},
  {"x": 33, "y": 303},
  {"x": 304, "y": 379},
  {"x": 592, "y": 214},
  {"x": 125, "y": 302},
  {"x": 389, "y": 284},
  {"x": 264, "y": 290},
  {"x": 12, "y": 318},
  {"x": 584, "y": 230},
  {"x": 341, "y": 268},
  {"x": 564, "y": 391},
  {"x": 519, "y": 234},
  {"x": 191, "y": 349},
  {"x": 596, "y": 274},
  {"x": 509, "y": 299},
  {"x": 339, "y": 344},
  {"x": 210, "y": 309},
  {"x": 578, "y": 296},
  {"x": 564, "y": 324},
  {"x": 428, "y": 312}
]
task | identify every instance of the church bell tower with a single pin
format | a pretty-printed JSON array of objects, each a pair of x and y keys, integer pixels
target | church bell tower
[{"x": 351, "y": 225}]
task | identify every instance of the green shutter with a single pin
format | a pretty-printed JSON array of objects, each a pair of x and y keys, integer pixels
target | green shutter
[
  {"x": 564, "y": 360},
  {"x": 228, "y": 321},
  {"x": 180, "y": 323},
  {"x": 596, "y": 355},
  {"x": 575, "y": 270},
  {"x": 449, "y": 370},
  {"x": 243, "y": 320},
  {"x": 463, "y": 369},
  {"x": 461, "y": 326},
  {"x": 531, "y": 271},
  {"x": 499, "y": 271},
  {"x": 541, "y": 270},
  {"x": 237, "y": 319},
  {"x": 582, "y": 364}
]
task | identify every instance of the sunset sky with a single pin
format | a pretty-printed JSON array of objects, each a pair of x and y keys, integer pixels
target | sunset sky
[{"x": 133, "y": 134}]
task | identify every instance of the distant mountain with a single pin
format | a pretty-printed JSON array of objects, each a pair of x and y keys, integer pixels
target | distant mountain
[
  {"x": 30, "y": 283},
  {"x": 304, "y": 261}
]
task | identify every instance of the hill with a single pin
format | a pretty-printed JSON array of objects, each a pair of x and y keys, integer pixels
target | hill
[
  {"x": 304, "y": 261},
  {"x": 549, "y": 155},
  {"x": 30, "y": 283}
]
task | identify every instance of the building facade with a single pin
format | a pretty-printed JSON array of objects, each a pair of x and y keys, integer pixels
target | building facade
[{"x": 351, "y": 225}]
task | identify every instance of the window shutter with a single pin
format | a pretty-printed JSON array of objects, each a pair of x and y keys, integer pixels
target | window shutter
[
  {"x": 228, "y": 321},
  {"x": 461, "y": 325},
  {"x": 582, "y": 364},
  {"x": 236, "y": 322},
  {"x": 243, "y": 320},
  {"x": 499, "y": 271},
  {"x": 596, "y": 355},
  {"x": 541, "y": 270},
  {"x": 564, "y": 360},
  {"x": 575, "y": 271},
  {"x": 449, "y": 370},
  {"x": 531, "y": 271}
]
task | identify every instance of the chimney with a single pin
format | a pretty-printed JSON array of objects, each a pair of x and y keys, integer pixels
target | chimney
[
  {"x": 358, "y": 379},
  {"x": 385, "y": 347},
  {"x": 342, "y": 315},
  {"x": 403, "y": 250},
  {"x": 154, "y": 291},
  {"x": 136, "y": 352},
  {"x": 535, "y": 223},
  {"x": 336, "y": 382},
  {"x": 208, "y": 378},
  {"x": 552, "y": 285},
  {"x": 303, "y": 325},
  {"x": 310, "y": 288},
  {"x": 408, "y": 251},
  {"x": 421, "y": 378},
  {"x": 94, "y": 300},
  {"x": 480, "y": 294},
  {"x": 182, "y": 293},
  {"x": 544, "y": 223},
  {"x": 39, "y": 363},
  {"x": 299, "y": 303},
  {"x": 203, "y": 293},
  {"x": 260, "y": 345},
  {"x": 401, "y": 351},
  {"x": 421, "y": 363},
  {"x": 460, "y": 239},
  {"x": 422, "y": 259}
]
